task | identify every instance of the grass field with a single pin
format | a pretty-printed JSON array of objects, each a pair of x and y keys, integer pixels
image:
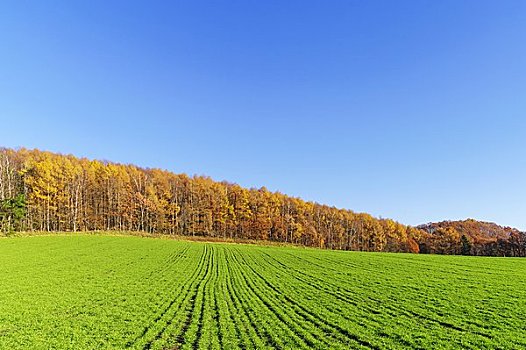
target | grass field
[{"x": 107, "y": 292}]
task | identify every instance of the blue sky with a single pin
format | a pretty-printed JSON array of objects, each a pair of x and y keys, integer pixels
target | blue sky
[{"x": 414, "y": 110}]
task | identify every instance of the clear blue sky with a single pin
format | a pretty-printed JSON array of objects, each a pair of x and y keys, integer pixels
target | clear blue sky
[{"x": 414, "y": 110}]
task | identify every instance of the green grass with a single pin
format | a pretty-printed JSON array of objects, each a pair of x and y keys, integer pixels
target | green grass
[{"x": 110, "y": 292}]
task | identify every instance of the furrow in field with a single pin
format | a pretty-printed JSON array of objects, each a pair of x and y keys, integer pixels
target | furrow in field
[
  {"x": 168, "y": 265},
  {"x": 207, "y": 331},
  {"x": 312, "y": 320},
  {"x": 270, "y": 325},
  {"x": 229, "y": 333},
  {"x": 217, "y": 338},
  {"x": 127, "y": 272},
  {"x": 314, "y": 282},
  {"x": 282, "y": 312},
  {"x": 173, "y": 335},
  {"x": 153, "y": 333},
  {"x": 362, "y": 296},
  {"x": 395, "y": 311},
  {"x": 252, "y": 335},
  {"x": 331, "y": 310},
  {"x": 192, "y": 330}
]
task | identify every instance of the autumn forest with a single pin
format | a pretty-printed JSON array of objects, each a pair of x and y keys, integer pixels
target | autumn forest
[{"x": 44, "y": 191}]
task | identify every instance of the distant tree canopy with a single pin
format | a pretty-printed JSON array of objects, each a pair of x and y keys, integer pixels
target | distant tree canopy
[
  {"x": 472, "y": 237},
  {"x": 43, "y": 191}
]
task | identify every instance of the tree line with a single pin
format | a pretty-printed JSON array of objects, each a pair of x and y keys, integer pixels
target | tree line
[{"x": 44, "y": 191}]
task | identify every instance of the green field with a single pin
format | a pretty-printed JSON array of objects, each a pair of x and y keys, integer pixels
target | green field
[{"x": 111, "y": 292}]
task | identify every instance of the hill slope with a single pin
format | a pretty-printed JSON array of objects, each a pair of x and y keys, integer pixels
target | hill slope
[{"x": 473, "y": 237}]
